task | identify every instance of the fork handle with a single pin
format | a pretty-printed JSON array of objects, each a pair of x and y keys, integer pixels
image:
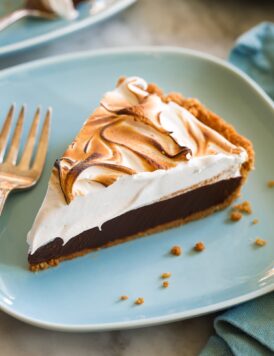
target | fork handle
[
  {"x": 13, "y": 17},
  {"x": 4, "y": 193}
]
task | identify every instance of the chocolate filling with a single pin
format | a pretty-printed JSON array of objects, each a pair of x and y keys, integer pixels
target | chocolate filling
[{"x": 140, "y": 220}]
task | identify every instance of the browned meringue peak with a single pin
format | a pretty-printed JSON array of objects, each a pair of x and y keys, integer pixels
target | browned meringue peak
[
  {"x": 129, "y": 133},
  {"x": 127, "y": 94}
]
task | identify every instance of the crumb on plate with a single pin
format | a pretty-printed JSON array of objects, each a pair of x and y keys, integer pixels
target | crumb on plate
[
  {"x": 260, "y": 242},
  {"x": 244, "y": 207},
  {"x": 139, "y": 301},
  {"x": 165, "y": 284},
  {"x": 235, "y": 216},
  {"x": 124, "y": 297},
  {"x": 199, "y": 246},
  {"x": 176, "y": 251},
  {"x": 270, "y": 184},
  {"x": 166, "y": 275},
  {"x": 255, "y": 221}
]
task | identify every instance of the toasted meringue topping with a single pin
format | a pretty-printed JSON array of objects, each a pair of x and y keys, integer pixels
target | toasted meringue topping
[{"x": 134, "y": 131}]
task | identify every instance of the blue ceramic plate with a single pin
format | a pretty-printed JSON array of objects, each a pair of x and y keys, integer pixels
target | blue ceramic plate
[
  {"x": 28, "y": 33},
  {"x": 83, "y": 294}
]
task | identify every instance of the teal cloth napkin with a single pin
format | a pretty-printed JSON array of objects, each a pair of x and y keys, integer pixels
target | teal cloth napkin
[
  {"x": 254, "y": 54},
  {"x": 248, "y": 329}
]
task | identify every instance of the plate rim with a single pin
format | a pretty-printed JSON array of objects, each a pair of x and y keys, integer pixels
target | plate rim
[
  {"x": 120, "y": 325},
  {"x": 140, "y": 323},
  {"x": 139, "y": 49},
  {"x": 63, "y": 31}
]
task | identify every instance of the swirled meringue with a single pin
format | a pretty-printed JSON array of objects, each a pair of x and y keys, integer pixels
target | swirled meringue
[{"x": 134, "y": 131}]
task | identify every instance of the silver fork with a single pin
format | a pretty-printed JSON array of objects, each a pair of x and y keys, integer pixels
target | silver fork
[
  {"x": 23, "y": 174},
  {"x": 19, "y": 14}
]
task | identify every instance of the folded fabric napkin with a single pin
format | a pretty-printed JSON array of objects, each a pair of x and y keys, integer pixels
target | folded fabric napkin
[
  {"x": 248, "y": 329},
  {"x": 254, "y": 54}
]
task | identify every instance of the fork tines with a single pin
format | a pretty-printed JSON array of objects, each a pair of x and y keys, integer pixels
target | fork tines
[{"x": 10, "y": 158}]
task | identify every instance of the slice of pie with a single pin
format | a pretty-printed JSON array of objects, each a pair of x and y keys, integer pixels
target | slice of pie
[
  {"x": 61, "y": 8},
  {"x": 143, "y": 162}
]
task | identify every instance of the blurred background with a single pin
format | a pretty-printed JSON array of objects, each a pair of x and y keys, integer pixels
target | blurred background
[{"x": 207, "y": 25}]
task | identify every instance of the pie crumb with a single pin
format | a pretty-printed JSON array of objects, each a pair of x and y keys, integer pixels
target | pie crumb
[
  {"x": 124, "y": 297},
  {"x": 260, "y": 242},
  {"x": 176, "y": 251},
  {"x": 244, "y": 207},
  {"x": 139, "y": 301},
  {"x": 199, "y": 246},
  {"x": 255, "y": 221},
  {"x": 270, "y": 184},
  {"x": 235, "y": 216},
  {"x": 166, "y": 275},
  {"x": 165, "y": 284}
]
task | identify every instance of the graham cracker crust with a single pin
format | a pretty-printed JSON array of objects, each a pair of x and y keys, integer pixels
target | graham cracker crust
[{"x": 213, "y": 121}]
